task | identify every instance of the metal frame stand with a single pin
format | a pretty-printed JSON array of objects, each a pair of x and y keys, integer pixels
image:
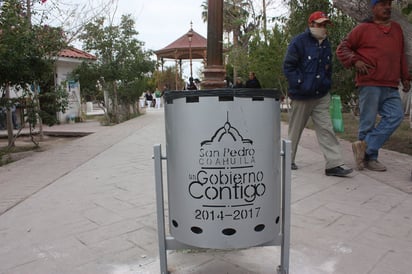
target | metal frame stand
[{"x": 169, "y": 242}]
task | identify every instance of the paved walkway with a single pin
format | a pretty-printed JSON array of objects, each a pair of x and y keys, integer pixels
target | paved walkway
[{"x": 89, "y": 207}]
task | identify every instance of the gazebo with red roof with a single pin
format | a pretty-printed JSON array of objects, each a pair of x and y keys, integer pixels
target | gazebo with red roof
[{"x": 182, "y": 49}]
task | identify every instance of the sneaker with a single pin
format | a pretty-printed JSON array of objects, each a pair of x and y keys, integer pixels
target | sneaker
[
  {"x": 294, "y": 166},
  {"x": 339, "y": 171},
  {"x": 359, "y": 150},
  {"x": 374, "y": 165}
]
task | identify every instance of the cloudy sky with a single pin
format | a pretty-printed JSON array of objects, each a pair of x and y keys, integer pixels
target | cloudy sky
[{"x": 160, "y": 22}]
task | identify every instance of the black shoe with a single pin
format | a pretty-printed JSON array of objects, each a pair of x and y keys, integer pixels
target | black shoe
[
  {"x": 339, "y": 171},
  {"x": 294, "y": 166}
]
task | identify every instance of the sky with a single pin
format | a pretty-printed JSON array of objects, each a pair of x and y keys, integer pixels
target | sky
[{"x": 160, "y": 22}]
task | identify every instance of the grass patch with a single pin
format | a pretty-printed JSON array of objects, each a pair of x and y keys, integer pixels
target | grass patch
[
  {"x": 6, "y": 152},
  {"x": 17, "y": 149}
]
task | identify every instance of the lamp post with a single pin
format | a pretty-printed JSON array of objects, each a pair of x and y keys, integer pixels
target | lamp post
[{"x": 189, "y": 36}]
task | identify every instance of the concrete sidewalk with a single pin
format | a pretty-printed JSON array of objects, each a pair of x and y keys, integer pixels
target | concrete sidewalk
[{"x": 89, "y": 207}]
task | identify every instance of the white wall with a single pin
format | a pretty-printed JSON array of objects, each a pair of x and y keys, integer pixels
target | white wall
[{"x": 64, "y": 66}]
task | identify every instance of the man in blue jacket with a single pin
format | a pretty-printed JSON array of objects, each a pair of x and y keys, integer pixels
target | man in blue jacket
[{"x": 308, "y": 69}]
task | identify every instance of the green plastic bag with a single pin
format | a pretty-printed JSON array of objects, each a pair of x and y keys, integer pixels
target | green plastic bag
[{"x": 336, "y": 113}]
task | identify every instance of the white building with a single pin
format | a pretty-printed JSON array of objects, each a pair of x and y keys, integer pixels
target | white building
[{"x": 67, "y": 61}]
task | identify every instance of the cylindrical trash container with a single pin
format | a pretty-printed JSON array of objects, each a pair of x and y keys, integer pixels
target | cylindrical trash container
[
  {"x": 336, "y": 113},
  {"x": 223, "y": 166}
]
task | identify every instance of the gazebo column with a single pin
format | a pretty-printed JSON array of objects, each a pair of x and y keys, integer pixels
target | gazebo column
[
  {"x": 180, "y": 73},
  {"x": 176, "y": 73},
  {"x": 214, "y": 72}
]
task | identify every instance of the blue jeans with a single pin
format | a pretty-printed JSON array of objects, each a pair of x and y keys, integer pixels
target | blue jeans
[{"x": 386, "y": 102}]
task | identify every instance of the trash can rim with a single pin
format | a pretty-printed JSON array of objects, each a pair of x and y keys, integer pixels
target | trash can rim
[{"x": 243, "y": 92}]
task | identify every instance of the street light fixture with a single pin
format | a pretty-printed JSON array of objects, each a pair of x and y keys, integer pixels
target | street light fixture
[{"x": 189, "y": 36}]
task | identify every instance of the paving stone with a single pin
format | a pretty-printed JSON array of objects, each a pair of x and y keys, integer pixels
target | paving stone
[{"x": 93, "y": 211}]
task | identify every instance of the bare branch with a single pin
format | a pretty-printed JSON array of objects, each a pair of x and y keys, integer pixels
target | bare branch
[{"x": 73, "y": 15}]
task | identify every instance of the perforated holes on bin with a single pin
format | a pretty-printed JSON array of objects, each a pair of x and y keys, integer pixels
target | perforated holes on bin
[
  {"x": 196, "y": 230},
  {"x": 229, "y": 231},
  {"x": 259, "y": 228},
  {"x": 175, "y": 223}
]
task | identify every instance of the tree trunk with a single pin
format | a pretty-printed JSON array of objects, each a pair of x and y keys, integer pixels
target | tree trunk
[
  {"x": 236, "y": 34},
  {"x": 9, "y": 122},
  {"x": 265, "y": 27},
  {"x": 115, "y": 103},
  {"x": 360, "y": 10}
]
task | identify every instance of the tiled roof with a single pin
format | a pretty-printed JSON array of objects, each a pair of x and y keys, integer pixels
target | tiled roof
[
  {"x": 198, "y": 41},
  {"x": 179, "y": 49},
  {"x": 77, "y": 54}
]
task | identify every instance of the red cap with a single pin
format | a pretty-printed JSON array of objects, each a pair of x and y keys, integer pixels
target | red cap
[{"x": 318, "y": 17}]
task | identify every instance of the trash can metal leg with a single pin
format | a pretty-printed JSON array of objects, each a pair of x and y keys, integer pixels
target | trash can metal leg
[
  {"x": 160, "y": 209},
  {"x": 286, "y": 199}
]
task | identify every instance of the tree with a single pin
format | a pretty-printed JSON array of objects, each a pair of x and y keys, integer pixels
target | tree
[
  {"x": 73, "y": 15},
  {"x": 166, "y": 78},
  {"x": 27, "y": 53},
  {"x": 121, "y": 58},
  {"x": 88, "y": 75},
  {"x": 265, "y": 58}
]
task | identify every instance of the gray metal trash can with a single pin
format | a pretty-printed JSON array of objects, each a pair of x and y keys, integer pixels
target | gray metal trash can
[{"x": 223, "y": 166}]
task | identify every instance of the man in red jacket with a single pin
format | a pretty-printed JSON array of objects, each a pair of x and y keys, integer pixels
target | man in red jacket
[{"x": 375, "y": 48}]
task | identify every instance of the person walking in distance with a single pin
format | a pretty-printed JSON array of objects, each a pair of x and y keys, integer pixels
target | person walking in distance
[
  {"x": 158, "y": 95},
  {"x": 308, "y": 69},
  {"x": 375, "y": 48}
]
